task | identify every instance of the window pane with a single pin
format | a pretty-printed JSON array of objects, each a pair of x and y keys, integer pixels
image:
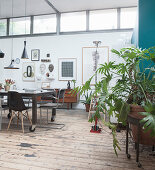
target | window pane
[
  {"x": 103, "y": 19},
  {"x": 45, "y": 24},
  {"x": 75, "y": 21},
  {"x": 20, "y": 26},
  {"x": 3, "y": 24},
  {"x": 128, "y": 17}
]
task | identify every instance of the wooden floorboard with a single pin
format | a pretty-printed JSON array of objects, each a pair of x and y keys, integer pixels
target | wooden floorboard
[{"x": 72, "y": 147}]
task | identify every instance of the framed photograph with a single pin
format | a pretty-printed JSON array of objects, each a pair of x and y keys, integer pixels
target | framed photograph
[
  {"x": 45, "y": 85},
  {"x": 67, "y": 69},
  {"x": 28, "y": 73},
  {"x": 91, "y": 60},
  {"x": 35, "y": 55}
]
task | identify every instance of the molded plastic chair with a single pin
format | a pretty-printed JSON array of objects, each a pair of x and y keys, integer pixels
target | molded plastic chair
[
  {"x": 53, "y": 105},
  {"x": 16, "y": 104}
]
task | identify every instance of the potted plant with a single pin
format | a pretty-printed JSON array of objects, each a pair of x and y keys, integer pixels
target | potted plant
[
  {"x": 87, "y": 100},
  {"x": 131, "y": 87},
  {"x": 8, "y": 83}
]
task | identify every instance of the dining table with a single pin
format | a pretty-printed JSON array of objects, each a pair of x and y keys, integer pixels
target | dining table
[{"x": 34, "y": 94}]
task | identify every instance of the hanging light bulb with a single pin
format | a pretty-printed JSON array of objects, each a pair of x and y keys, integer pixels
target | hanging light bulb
[
  {"x": 24, "y": 54},
  {"x": 11, "y": 66}
]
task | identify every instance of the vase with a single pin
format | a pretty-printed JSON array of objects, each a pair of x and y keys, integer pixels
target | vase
[{"x": 7, "y": 88}]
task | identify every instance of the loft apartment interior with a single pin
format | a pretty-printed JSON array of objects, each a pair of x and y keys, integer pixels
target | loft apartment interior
[{"x": 77, "y": 84}]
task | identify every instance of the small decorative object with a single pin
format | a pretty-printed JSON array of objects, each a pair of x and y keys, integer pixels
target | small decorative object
[
  {"x": 45, "y": 85},
  {"x": 51, "y": 67},
  {"x": 68, "y": 85},
  {"x": 28, "y": 71},
  {"x": 48, "y": 55},
  {"x": 8, "y": 83},
  {"x": 1, "y": 86},
  {"x": 35, "y": 55},
  {"x": 42, "y": 68},
  {"x": 17, "y": 60},
  {"x": 47, "y": 74},
  {"x": 67, "y": 68},
  {"x": 45, "y": 60}
]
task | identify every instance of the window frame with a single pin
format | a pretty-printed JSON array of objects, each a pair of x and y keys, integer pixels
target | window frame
[{"x": 87, "y": 31}]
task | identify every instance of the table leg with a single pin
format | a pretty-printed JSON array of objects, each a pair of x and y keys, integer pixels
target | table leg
[{"x": 34, "y": 114}]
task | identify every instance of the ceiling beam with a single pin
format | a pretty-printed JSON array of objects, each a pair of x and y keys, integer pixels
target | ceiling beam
[{"x": 51, "y": 5}]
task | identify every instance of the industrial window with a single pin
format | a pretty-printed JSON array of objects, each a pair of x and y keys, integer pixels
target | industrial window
[
  {"x": 19, "y": 26},
  {"x": 45, "y": 24},
  {"x": 128, "y": 17},
  {"x": 75, "y": 21},
  {"x": 3, "y": 25},
  {"x": 103, "y": 19}
]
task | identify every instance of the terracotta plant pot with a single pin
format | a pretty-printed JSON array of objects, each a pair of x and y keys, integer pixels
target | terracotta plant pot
[
  {"x": 87, "y": 107},
  {"x": 145, "y": 137},
  {"x": 7, "y": 88}
]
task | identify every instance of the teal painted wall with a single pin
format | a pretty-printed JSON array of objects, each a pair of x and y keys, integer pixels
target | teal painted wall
[
  {"x": 146, "y": 23},
  {"x": 146, "y": 29}
]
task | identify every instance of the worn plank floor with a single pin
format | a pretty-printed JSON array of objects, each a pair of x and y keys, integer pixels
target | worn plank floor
[{"x": 72, "y": 147}]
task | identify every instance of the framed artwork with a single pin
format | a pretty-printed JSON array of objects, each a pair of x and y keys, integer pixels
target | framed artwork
[
  {"x": 67, "y": 69},
  {"x": 45, "y": 85},
  {"x": 91, "y": 60},
  {"x": 35, "y": 55},
  {"x": 28, "y": 73}
]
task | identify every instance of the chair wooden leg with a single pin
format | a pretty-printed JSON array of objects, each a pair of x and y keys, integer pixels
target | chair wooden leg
[
  {"x": 10, "y": 120},
  {"x": 22, "y": 122},
  {"x": 28, "y": 117}
]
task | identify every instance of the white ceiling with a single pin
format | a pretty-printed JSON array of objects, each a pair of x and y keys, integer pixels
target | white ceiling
[{"x": 35, "y": 7}]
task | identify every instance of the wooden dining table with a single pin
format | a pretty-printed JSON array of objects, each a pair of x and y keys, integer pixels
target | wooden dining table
[{"x": 33, "y": 95}]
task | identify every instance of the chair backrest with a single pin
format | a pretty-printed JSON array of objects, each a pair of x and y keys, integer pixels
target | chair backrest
[
  {"x": 15, "y": 101},
  {"x": 61, "y": 95}
]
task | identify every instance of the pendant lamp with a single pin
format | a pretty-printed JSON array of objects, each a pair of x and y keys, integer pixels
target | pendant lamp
[
  {"x": 24, "y": 54},
  {"x": 1, "y": 54},
  {"x": 11, "y": 66}
]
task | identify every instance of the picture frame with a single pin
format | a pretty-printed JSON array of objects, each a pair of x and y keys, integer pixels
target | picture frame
[
  {"x": 88, "y": 61},
  {"x": 35, "y": 55},
  {"x": 67, "y": 69},
  {"x": 28, "y": 71},
  {"x": 45, "y": 85}
]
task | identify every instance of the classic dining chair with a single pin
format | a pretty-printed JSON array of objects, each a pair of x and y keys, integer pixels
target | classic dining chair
[
  {"x": 58, "y": 101},
  {"x": 18, "y": 108}
]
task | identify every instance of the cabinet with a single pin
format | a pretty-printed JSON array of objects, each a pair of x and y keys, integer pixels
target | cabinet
[{"x": 70, "y": 98}]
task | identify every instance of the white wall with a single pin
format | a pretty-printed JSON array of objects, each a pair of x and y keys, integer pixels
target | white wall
[{"x": 62, "y": 46}]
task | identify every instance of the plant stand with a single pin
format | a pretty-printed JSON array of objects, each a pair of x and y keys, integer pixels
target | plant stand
[
  {"x": 92, "y": 110},
  {"x": 135, "y": 121},
  {"x": 95, "y": 128}
]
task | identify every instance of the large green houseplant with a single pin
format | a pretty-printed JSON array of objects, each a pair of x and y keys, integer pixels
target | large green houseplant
[{"x": 131, "y": 87}]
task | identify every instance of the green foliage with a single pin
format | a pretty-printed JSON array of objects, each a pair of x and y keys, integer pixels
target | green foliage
[
  {"x": 149, "y": 119},
  {"x": 131, "y": 86},
  {"x": 87, "y": 98}
]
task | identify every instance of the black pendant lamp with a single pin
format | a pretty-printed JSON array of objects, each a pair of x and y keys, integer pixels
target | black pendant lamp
[
  {"x": 11, "y": 66},
  {"x": 1, "y": 54},
  {"x": 24, "y": 54}
]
